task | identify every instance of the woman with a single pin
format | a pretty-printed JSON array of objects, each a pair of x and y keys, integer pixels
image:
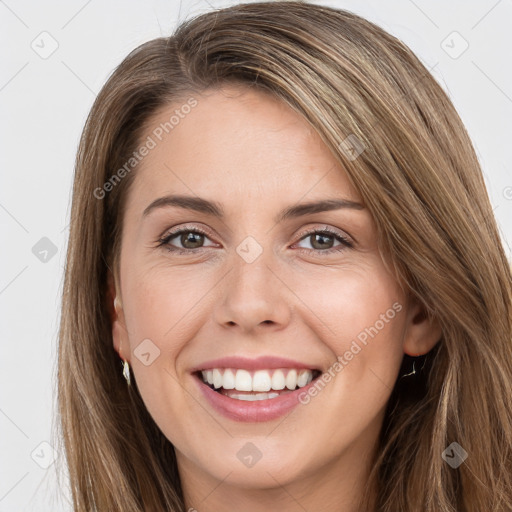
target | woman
[{"x": 280, "y": 228}]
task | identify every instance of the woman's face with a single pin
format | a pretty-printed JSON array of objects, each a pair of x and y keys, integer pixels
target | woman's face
[{"x": 248, "y": 287}]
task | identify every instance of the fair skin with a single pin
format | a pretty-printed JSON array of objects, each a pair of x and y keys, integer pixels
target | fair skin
[{"x": 255, "y": 156}]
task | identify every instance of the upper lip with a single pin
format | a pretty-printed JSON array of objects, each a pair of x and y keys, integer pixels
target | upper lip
[{"x": 259, "y": 363}]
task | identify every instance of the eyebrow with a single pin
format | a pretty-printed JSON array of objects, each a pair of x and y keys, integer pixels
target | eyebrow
[{"x": 215, "y": 209}]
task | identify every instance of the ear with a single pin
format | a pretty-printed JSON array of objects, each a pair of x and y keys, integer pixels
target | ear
[
  {"x": 119, "y": 332},
  {"x": 421, "y": 331}
]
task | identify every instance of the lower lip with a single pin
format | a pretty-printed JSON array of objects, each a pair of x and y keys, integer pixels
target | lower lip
[{"x": 256, "y": 411}]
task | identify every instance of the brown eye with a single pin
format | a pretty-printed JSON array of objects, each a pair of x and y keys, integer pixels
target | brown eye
[
  {"x": 321, "y": 241},
  {"x": 325, "y": 242},
  {"x": 185, "y": 241},
  {"x": 191, "y": 239}
]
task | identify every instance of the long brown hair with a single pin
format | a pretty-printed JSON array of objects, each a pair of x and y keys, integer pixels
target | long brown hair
[{"x": 419, "y": 177}]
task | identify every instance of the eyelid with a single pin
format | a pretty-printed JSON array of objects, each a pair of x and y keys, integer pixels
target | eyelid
[
  {"x": 186, "y": 227},
  {"x": 328, "y": 229}
]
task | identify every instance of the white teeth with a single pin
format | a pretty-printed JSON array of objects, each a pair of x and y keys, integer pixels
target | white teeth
[
  {"x": 278, "y": 381},
  {"x": 259, "y": 381},
  {"x": 302, "y": 378},
  {"x": 229, "y": 379},
  {"x": 217, "y": 378},
  {"x": 243, "y": 380},
  {"x": 291, "y": 379},
  {"x": 252, "y": 398}
]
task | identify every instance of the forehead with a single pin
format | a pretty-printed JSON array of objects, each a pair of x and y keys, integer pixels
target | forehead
[{"x": 236, "y": 143}]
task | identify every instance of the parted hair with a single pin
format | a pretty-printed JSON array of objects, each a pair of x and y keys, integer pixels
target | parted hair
[{"x": 419, "y": 177}]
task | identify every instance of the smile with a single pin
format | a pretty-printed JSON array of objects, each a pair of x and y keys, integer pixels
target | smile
[
  {"x": 267, "y": 384},
  {"x": 254, "y": 390}
]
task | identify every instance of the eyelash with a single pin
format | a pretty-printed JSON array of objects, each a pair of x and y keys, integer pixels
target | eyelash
[{"x": 345, "y": 243}]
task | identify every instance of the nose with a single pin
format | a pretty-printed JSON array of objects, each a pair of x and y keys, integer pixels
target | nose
[{"x": 254, "y": 296}]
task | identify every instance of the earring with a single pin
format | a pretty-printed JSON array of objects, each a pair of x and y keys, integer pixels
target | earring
[
  {"x": 413, "y": 370},
  {"x": 126, "y": 371},
  {"x": 409, "y": 366}
]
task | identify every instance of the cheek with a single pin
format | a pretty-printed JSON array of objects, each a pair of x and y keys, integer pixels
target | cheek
[
  {"x": 163, "y": 305},
  {"x": 162, "y": 317},
  {"x": 164, "y": 311},
  {"x": 361, "y": 315}
]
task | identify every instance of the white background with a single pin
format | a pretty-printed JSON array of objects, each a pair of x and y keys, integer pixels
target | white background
[{"x": 44, "y": 103}]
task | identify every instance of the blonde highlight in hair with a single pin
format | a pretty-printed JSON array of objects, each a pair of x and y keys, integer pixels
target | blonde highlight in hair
[{"x": 419, "y": 177}]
